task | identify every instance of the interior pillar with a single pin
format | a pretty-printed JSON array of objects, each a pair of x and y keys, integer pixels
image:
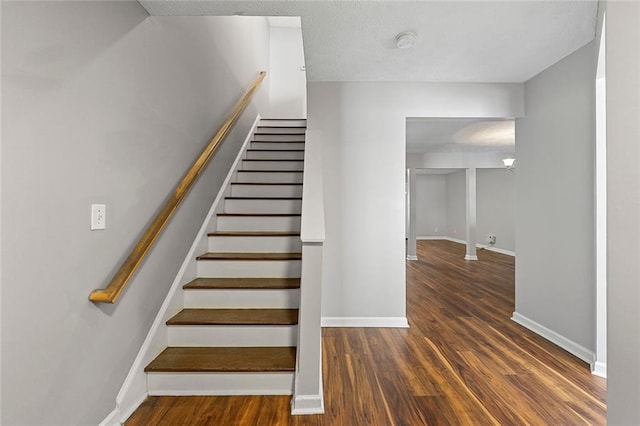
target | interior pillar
[
  {"x": 471, "y": 215},
  {"x": 411, "y": 237}
]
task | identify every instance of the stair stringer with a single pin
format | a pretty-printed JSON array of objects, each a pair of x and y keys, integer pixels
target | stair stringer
[{"x": 134, "y": 389}]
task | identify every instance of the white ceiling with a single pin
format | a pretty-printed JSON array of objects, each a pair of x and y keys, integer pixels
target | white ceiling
[
  {"x": 457, "y": 41},
  {"x": 460, "y": 135}
]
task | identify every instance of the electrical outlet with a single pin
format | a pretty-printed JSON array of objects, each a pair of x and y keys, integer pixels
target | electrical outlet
[
  {"x": 98, "y": 216},
  {"x": 491, "y": 239}
]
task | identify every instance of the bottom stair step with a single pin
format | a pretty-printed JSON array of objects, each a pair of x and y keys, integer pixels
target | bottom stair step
[{"x": 224, "y": 359}]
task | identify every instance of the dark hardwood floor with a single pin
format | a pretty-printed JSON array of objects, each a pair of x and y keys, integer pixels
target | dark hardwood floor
[{"x": 462, "y": 362}]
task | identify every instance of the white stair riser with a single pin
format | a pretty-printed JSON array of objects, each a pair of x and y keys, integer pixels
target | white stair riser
[
  {"x": 277, "y": 146},
  {"x": 273, "y": 165},
  {"x": 284, "y": 123},
  {"x": 233, "y": 335},
  {"x": 270, "y": 177},
  {"x": 234, "y": 244},
  {"x": 248, "y": 268},
  {"x": 281, "y": 129},
  {"x": 257, "y": 299},
  {"x": 275, "y": 155},
  {"x": 262, "y": 206},
  {"x": 258, "y": 223},
  {"x": 278, "y": 138},
  {"x": 238, "y": 190},
  {"x": 220, "y": 383}
]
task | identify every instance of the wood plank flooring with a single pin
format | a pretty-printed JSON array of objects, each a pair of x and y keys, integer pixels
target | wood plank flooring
[{"x": 462, "y": 362}]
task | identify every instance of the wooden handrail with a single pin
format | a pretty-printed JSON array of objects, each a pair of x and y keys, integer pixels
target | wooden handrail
[{"x": 111, "y": 293}]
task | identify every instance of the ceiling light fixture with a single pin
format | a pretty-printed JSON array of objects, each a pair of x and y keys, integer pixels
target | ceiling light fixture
[
  {"x": 405, "y": 40},
  {"x": 508, "y": 163}
]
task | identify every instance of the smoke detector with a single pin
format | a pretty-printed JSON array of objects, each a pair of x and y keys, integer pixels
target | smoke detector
[{"x": 405, "y": 40}]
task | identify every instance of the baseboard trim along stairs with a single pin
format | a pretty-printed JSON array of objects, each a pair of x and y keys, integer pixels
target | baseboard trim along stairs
[{"x": 229, "y": 325}]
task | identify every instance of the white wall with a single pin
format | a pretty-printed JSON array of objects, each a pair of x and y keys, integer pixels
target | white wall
[
  {"x": 623, "y": 197},
  {"x": 288, "y": 91},
  {"x": 364, "y": 172},
  {"x": 555, "y": 281},
  {"x": 496, "y": 214},
  {"x": 102, "y": 104},
  {"x": 431, "y": 205}
]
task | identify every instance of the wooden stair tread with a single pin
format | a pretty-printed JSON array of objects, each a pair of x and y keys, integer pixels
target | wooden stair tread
[
  {"x": 263, "y": 198},
  {"x": 242, "y": 284},
  {"x": 298, "y": 141},
  {"x": 265, "y": 183},
  {"x": 260, "y": 214},
  {"x": 270, "y": 171},
  {"x": 275, "y": 159},
  {"x": 281, "y": 127},
  {"x": 235, "y": 317},
  {"x": 282, "y": 119},
  {"x": 281, "y": 134},
  {"x": 252, "y": 234},
  {"x": 277, "y": 150},
  {"x": 224, "y": 359},
  {"x": 250, "y": 256}
]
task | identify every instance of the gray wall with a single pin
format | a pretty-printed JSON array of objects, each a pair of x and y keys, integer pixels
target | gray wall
[
  {"x": 102, "y": 104},
  {"x": 555, "y": 281},
  {"x": 495, "y": 207},
  {"x": 441, "y": 203},
  {"x": 623, "y": 192},
  {"x": 431, "y": 205}
]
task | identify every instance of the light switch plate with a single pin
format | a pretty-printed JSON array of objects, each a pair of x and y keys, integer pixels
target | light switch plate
[{"x": 98, "y": 217}]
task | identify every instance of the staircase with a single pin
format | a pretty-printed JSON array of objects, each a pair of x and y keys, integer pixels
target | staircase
[{"x": 238, "y": 330}]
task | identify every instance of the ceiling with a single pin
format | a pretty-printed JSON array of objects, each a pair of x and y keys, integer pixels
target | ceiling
[
  {"x": 457, "y": 41},
  {"x": 460, "y": 135}
]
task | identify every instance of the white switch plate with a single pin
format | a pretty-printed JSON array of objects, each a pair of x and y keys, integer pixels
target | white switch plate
[{"x": 98, "y": 216}]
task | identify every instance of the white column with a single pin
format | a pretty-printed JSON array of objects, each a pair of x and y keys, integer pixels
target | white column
[
  {"x": 411, "y": 197},
  {"x": 471, "y": 215},
  {"x": 308, "y": 394},
  {"x": 599, "y": 366}
]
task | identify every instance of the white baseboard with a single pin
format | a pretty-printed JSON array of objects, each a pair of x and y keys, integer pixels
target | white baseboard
[
  {"x": 124, "y": 414},
  {"x": 455, "y": 240},
  {"x": 134, "y": 389},
  {"x": 599, "y": 368},
  {"x": 410, "y": 257},
  {"x": 497, "y": 250},
  {"x": 568, "y": 345},
  {"x": 469, "y": 257},
  {"x": 391, "y": 322},
  {"x": 482, "y": 246},
  {"x": 307, "y": 404},
  {"x": 112, "y": 419}
]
